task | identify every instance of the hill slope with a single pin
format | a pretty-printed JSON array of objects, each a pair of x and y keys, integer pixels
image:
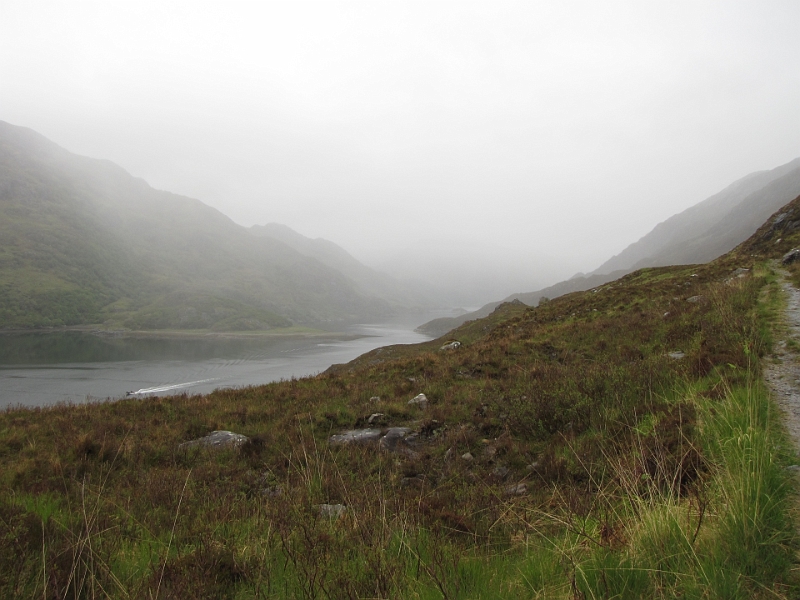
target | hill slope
[
  {"x": 82, "y": 241},
  {"x": 697, "y": 235},
  {"x": 607, "y": 444},
  {"x": 715, "y": 225}
]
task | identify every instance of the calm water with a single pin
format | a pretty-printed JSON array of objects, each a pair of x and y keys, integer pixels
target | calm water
[{"x": 38, "y": 369}]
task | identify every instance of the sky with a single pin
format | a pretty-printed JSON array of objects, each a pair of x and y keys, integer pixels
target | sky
[{"x": 489, "y": 147}]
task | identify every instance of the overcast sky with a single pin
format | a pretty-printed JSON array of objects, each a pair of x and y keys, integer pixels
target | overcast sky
[{"x": 546, "y": 136}]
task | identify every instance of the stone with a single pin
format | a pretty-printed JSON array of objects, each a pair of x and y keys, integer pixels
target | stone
[
  {"x": 355, "y": 436},
  {"x": 500, "y": 473},
  {"x": 677, "y": 355},
  {"x": 374, "y": 417},
  {"x": 375, "y": 399},
  {"x": 791, "y": 256},
  {"x": 450, "y": 346},
  {"x": 420, "y": 400},
  {"x": 332, "y": 511},
  {"x": 519, "y": 489},
  {"x": 393, "y": 438},
  {"x": 467, "y": 456},
  {"x": 218, "y": 439},
  {"x": 694, "y": 299},
  {"x": 740, "y": 272}
]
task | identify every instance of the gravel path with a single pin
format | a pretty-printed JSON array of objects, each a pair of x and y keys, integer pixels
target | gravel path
[{"x": 782, "y": 372}]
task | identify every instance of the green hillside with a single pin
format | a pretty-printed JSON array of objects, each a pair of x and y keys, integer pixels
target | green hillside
[
  {"x": 83, "y": 242},
  {"x": 615, "y": 443}
]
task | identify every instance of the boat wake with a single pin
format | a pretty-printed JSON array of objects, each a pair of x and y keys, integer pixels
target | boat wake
[{"x": 169, "y": 388}]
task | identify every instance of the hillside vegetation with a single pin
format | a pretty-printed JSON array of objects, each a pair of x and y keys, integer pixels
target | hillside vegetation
[
  {"x": 83, "y": 242},
  {"x": 615, "y": 443}
]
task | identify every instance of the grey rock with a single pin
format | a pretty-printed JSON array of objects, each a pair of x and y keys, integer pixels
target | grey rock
[
  {"x": 467, "y": 456},
  {"x": 533, "y": 467},
  {"x": 519, "y": 489},
  {"x": 450, "y": 346},
  {"x": 793, "y": 468},
  {"x": 500, "y": 473},
  {"x": 394, "y": 437},
  {"x": 791, "y": 256},
  {"x": 420, "y": 400},
  {"x": 218, "y": 439},
  {"x": 677, "y": 355},
  {"x": 740, "y": 272},
  {"x": 332, "y": 511},
  {"x": 356, "y": 436},
  {"x": 694, "y": 299},
  {"x": 375, "y": 399},
  {"x": 374, "y": 417},
  {"x": 272, "y": 492}
]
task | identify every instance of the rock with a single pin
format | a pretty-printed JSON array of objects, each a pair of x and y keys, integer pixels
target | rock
[
  {"x": 450, "y": 346},
  {"x": 272, "y": 491},
  {"x": 415, "y": 481},
  {"x": 394, "y": 437},
  {"x": 500, "y": 473},
  {"x": 791, "y": 256},
  {"x": 332, "y": 511},
  {"x": 448, "y": 454},
  {"x": 356, "y": 436},
  {"x": 467, "y": 456},
  {"x": 694, "y": 299},
  {"x": 677, "y": 355},
  {"x": 420, "y": 399},
  {"x": 375, "y": 399},
  {"x": 519, "y": 489},
  {"x": 218, "y": 439},
  {"x": 374, "y": 417},
  {"x": 533, "y": 467},
  {"x": 740, "y": 272},
  {"x": 793, "y": 469}
]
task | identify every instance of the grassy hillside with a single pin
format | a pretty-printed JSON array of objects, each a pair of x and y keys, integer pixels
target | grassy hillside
[
  {"x": 81, "y": 241},
  {"x": 607, "y": 444}
]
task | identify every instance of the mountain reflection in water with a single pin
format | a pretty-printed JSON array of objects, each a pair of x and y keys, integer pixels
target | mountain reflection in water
[{"x": 44, "y": 368}]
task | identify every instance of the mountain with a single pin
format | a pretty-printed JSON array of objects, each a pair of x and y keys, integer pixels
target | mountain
[
  {"x": 699, "y": 234},
  {"x": 715, "y": 225},
  {"x": 368, "y": 281},
  {"x": 84, "y": 242}
]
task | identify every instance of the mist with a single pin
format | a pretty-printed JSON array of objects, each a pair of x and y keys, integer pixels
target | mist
[{"x": 481, "y": 148}]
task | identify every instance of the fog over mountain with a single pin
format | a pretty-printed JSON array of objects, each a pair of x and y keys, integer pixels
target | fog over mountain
[{"x": 477, "y": 148}]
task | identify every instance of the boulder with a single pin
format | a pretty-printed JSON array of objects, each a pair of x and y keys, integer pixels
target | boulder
[
  {"x": 395, "y": 436},
  {"x": 355, "y": 436},
  {"x": 450, "y": 346},
  {"x": 332, "y": 511},
  {"x": 791, "y": 256},
  {"x": 218, "y": 439},
  {"x": 420, "y": 400},
  {"x": 519, "y": 489}
]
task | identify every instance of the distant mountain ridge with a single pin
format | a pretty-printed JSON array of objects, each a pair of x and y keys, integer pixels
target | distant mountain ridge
[
  {"x": 699, "y": 234},
  {"x": 84, "y": 242}
]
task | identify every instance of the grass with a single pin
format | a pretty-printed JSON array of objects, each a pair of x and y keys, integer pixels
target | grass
[{"x": 600, "y": 466}]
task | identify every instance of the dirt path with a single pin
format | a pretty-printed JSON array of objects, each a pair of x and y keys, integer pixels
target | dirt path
[{"x": 782, "y": 372}]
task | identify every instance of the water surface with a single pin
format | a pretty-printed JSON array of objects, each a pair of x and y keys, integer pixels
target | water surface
[{"x": 39, "y": 369}]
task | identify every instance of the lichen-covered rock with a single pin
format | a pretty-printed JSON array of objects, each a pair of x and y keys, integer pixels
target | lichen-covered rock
[
  {"x": 332, "y": 511},
  {"x": 394, "y": 438},
  {"x": 450, "y": 346},
  {"x": 420, "y": 400},
  {"x": 218, "y": 439},
  {"x": 791, "y": 256},
  {"x": 356, "y": 436}
]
